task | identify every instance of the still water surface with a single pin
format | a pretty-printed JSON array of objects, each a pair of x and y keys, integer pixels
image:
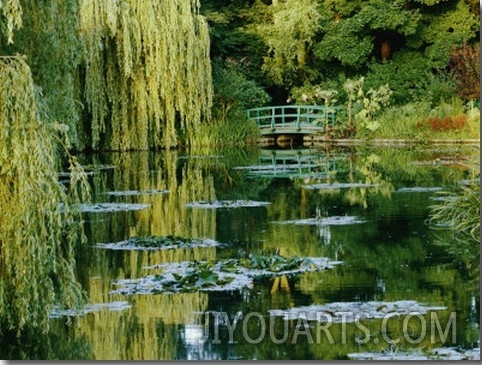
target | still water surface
[{"x": 365, "y": 207}]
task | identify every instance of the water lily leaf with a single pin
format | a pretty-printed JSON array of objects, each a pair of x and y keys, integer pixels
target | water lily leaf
[
  {"x": 177, "y": 276},
  {"x": 207, "y": 278},
  {"x": 229, "y": 266},
  {"x": 225, "y": 280}
]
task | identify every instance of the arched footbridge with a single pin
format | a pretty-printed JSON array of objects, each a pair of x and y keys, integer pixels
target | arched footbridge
[{"x": 293, "y": 119}]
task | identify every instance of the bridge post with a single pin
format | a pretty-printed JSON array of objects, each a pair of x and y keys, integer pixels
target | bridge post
[
  {"x": 273, "y": 118},
  {"x": 298, "y": 111}
]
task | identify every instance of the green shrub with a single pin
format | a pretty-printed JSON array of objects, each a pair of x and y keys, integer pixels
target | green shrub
[
  {"x": 411, "y": 78},
  {"x": 451, "y": 120},
  {"x": 233, "y": 91}
]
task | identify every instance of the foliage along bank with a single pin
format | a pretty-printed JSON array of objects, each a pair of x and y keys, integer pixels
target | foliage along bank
[{"x": 423, "y": 53}]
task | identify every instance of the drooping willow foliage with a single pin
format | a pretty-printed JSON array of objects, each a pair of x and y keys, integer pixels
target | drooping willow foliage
[
  {"x": 45, "y": 31},
  {"x": 49, "y": 39},
  {"x": 148, "y": 74},
  {"x": 38, "y": 229},
  {"x": 122, "y": 74},
  {"x": 11, "y": 10}
]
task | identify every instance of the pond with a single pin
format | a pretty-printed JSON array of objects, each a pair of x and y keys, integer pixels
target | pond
[{"x": 311, "y": 253}]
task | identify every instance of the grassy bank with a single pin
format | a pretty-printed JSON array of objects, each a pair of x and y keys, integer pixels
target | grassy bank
[{"x": 418, "y": 121}]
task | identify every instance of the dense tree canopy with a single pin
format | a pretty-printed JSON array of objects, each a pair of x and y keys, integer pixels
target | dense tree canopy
[{"x": 404, "y": 43}]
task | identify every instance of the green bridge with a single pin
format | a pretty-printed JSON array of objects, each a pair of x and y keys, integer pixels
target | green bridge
[{"x": 293, "y": 119}]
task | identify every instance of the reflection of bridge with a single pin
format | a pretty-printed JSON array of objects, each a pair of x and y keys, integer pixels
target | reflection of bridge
[
  {"x": 302, "y": 163},
  {"x": 293, "y": 119}
]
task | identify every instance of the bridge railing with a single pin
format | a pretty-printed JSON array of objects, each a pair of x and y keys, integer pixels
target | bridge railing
[{"x": 287, "y": 115}]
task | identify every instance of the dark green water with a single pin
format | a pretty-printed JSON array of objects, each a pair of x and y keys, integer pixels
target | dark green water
[{"x": 388, "y": 252}]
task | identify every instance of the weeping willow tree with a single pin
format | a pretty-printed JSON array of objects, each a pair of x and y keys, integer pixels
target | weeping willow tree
[
  {"x": 38, "y": 229},
  {"x": 53, "y": 24},
  {"x": 122, "y": 74},
  {"x": 147, "y": 73}
]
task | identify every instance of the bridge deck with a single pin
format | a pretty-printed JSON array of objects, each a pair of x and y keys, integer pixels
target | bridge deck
[{"x": 293, "y": 119}]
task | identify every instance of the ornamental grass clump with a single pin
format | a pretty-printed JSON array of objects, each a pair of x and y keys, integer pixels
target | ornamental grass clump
[{"x": 459, "y": 216}]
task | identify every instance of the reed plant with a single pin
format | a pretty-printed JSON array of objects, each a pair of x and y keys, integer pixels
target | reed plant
[
  {"x": 226, "y": 132},
  {"x": 401, "y": 121},
  {"x": 460, "y": 213},
  {"x": 459, "y": 216}
]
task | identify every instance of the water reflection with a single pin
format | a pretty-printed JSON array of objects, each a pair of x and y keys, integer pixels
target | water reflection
[{"x": 390, "y": 256}]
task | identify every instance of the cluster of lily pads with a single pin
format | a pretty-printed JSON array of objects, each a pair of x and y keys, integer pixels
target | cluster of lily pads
[
  {"x": 327, "y": 221},
  {"x": 214, "y": 204},
  {"x": 443, "y": 353},
  {"x": 159, "y": 243},
  {"x": 346, "y": 312},
  {"x": 228, "y": 274},
  {"x": 116, "y": 306},
  {"x": 338, "y": 186},
  {"x": 110, "y": 207},
  {"x": 136, "y": 192}
]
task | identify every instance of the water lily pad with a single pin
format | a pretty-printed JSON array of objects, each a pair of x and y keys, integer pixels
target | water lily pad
[
  {"x": 216, "y": 204},
  {"x": 439, "y": 198},
  {"x": 338, "y": 186},
  {"x": 111, "y": 306},
  {"x": 69, "y": 174},
  {"x": 467, "y": 182},
  {"x": 224, "y": 275},
  {"x": 328, "y": 221},
  {"x": 199, "y": 157},
  {"x": 285, "y": 167},
  {"x": 419, "y": 189},
  {"x": 110, "y": 207},
  {"x": 136, "y": 192},
  {"x": 346, "y": 312},
  {"x": 158, "y": 243},
  {"x": 98, "y": 167},
  {"x": 440, "y": 354}
]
